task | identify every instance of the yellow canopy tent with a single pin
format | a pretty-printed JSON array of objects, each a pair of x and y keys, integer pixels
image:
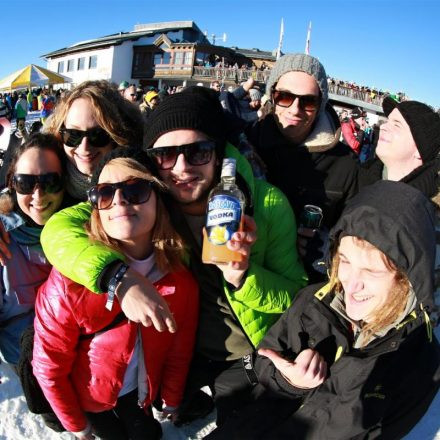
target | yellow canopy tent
[{"x": 32, "y": 76}]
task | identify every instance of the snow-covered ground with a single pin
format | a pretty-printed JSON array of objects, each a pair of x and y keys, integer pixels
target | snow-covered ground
[{"x": 16, "y": 423}]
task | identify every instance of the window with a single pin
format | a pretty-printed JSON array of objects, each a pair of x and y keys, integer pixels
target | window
[
  {"x": 162, "y": 58},
  {"x": 157, "y": 58},
  {"x": 81, "y": 63},
  {"x": 70, "y": 65},
  {"x": 166, "y": 59},
  {"x": 60, "y": 67},
  {"x": 141, "y": 63},
  {"x": 178, "y": 57},
  {"x": 93, "y": 62},
  {"x": 201, "y": 58},
  {"x": 187, "y": 59}
]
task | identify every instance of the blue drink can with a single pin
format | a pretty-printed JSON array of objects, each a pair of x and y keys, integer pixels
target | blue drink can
[{"x": 311, "y": 217}]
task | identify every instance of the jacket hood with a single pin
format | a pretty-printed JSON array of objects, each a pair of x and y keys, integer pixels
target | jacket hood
[{"x": 400, "y": 221}]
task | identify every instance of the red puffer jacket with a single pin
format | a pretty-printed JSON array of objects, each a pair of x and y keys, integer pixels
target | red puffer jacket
[{"x": 78, "y": 374}]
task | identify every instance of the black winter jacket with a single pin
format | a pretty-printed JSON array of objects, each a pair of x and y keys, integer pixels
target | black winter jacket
[
  {"x": 321, "y": 172},
  {"x": 378, "y": 391}
]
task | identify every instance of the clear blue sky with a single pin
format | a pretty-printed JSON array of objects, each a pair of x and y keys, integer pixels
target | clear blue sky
[{"x": 390, "y": 44}]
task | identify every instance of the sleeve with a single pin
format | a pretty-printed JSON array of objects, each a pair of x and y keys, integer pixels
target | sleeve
[
  {"x": 270, "y": 286},
  {"x": 279, "y": 338},
  {"x": 69, "y": 250},
  {"x": 55, "y": 340},
  {"x": 239, "y": 93},
  {"x": 180, "y": 355},
  {"x": 349, "y": 137}
]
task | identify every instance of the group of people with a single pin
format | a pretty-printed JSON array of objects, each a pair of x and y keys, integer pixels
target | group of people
[
  {"x": 103, "y": 218},
  {"x": 17, "y": 105}
]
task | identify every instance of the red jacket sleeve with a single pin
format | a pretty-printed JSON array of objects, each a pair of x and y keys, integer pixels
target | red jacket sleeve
[
  {"x": 350, "y": 137},
  {"x": 180, "y": 355},
  {"x": 56, "y": 336}
]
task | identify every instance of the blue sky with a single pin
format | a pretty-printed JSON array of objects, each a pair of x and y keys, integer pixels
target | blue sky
[{"x": 390, "y": 44}]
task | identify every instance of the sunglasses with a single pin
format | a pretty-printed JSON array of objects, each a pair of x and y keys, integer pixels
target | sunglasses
[
  {"x": 49, "y": 183},
  {"x": 135, "y": 191},
  {"x": 197, "y": 153},
  {"x": 97, "y": 137},
  {"x": 286, "y": 99}
]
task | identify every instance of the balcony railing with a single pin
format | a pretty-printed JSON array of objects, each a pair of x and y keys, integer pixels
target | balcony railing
[
  {"x": 361, "y": 95},
  {"x": 231, "y": 74},
  {"x": 161, "y": 70}
]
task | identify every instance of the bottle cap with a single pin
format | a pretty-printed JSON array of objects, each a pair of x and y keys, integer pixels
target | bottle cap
[{"x": 228, "y": 167}]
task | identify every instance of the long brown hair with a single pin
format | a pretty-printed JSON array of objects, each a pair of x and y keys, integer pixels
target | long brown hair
[
  {"x": 39, "y": 141},
  {"x": 398, "y": 297},
  {"x": 121, "y": 119},
  {"x": 167, "y": 244}
]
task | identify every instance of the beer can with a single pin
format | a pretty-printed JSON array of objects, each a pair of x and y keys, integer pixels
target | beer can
[{"x": 311, "y": 217}]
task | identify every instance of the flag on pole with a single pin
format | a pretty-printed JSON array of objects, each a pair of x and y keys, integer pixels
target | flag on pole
[
  {"x": 309, "y": 31},
  {"x": 281, "y": 39}
]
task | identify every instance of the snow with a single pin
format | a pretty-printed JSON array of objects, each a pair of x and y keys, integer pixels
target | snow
[{"x": 17, "y": 423}]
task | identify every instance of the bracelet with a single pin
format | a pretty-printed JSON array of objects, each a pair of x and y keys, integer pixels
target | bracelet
[{"x": 113, "y": 284}]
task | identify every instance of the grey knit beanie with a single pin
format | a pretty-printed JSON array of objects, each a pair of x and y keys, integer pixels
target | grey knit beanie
[
  {"x": 299, "y": 62},
  {"x": 255, "y": 95}
]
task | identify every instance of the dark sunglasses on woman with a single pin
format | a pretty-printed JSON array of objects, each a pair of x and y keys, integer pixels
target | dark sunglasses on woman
[
  {"x": 197, "y": 153},
  {"x": 284, "y": 98},
  {"x": 97, "y": 137},
  {"x": 49, "y": 183},
  {"x": 135, "y": 191}
]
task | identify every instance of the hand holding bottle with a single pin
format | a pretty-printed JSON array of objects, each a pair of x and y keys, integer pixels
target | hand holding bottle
[{"x": 241, "y": 242}]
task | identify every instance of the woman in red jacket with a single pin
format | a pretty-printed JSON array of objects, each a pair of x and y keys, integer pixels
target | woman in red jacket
[{"x": 99, "y": 371}]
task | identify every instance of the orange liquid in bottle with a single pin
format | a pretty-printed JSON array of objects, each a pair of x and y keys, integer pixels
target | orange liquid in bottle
[{"x": 219, "y": 254}]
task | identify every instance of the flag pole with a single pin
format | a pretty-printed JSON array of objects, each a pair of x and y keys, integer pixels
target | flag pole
[
  {"x": 309, "y": 31},
  {"x": 280, "y": 43}
]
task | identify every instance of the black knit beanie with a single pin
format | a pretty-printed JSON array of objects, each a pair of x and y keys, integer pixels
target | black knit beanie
[
  {"x": 195, "y": 108},
  {"x": 125, "y": 152},
  {"x": 423, "y": 122}
]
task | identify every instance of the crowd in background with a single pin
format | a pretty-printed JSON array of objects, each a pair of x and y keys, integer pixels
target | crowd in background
[{"x": 322, "y": 328}]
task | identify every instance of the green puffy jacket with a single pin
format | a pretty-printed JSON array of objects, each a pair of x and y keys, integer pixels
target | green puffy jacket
[{"x": 275, "y": 272}]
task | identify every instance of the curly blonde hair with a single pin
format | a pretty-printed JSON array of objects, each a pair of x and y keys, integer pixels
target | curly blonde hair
[
  {"x": 121, "y": 119},
  {"x": 397, "y": 300}
]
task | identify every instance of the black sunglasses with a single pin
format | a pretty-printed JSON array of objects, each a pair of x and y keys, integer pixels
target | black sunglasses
[
  {"x": 135, "y": 191},
  {"x": 286, "y": 99},
  {"x": 97, "y": 137},
  {"x": 49, "y": 183},
  {"x": 197, "y": 153}
]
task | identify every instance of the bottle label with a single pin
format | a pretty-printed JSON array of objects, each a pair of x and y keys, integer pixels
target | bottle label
[{"x": 223, "y": 218}]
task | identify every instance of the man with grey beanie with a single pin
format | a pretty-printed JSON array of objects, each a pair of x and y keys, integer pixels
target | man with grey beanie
[{"x": 299, "y": 142}]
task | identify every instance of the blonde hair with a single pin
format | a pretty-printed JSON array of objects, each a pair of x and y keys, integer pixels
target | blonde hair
[
  {"x": 120, "y": 118},
  {"x": 397, "y": 299},
  {"x": 167, "y": 244}
]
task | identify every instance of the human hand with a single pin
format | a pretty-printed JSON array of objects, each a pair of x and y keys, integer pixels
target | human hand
[
  {"x": 141, "y": 302},
  {"x": 5, "y": 253},
  {"x": 240, "y": 242},
  {"x": 309, "y": 369},
  {"x": 304, "y": 236},
  {"x": 248, "y": 84}
]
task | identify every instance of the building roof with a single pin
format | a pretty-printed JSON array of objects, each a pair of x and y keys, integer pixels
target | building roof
[
  {"x": 257, "y": 53},
  {"x": 140, "y": 30}
]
